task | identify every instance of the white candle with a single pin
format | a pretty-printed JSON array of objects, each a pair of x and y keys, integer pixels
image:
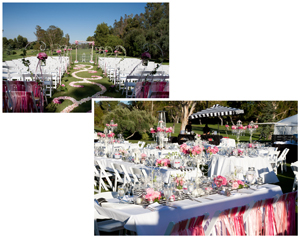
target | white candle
[{"x": 138, "y": 201}]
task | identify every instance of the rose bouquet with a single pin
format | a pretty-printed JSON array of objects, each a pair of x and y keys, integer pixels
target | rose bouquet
[
  {"x": 211, "y": 151},
  {"x": 152, "y": 131},
  {"x": 236, "y": 184},
  {"x": 58, "y": 51},
  {"x": 152, "y": 195},
  {"x": 101, "y": 134},
  {"x": 42, "y": 56},
  {"x": 220, "y": 180},
  {"x": 195, "y": 150},
  {"x": 111, "y": 135},
  {"x": 179, "y": 180},
  {"x": 162, "y": 162}
]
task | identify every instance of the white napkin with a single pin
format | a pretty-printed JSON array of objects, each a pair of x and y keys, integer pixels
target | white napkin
[
  {"x": 258, "y": 188},
  {"x": 236, "y": 193},
  {"x": 247, "y": 191},
  {"x": 156, "y": 206}
]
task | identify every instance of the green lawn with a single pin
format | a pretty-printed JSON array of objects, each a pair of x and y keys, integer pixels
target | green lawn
[{"x": 79, "y": 93}]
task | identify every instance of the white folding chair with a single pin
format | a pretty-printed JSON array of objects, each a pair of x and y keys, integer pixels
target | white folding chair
[
  {"x": 137, "y": 173},
  {"x": 101, "y": 175},
  {"x": 118, "y": 170}
]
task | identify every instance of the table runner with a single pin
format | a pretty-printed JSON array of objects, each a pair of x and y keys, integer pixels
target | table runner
[{"x": 146, "y": 222}]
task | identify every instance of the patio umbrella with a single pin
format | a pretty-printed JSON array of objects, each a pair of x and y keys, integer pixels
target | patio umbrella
[{"x": 217, "y": 110}]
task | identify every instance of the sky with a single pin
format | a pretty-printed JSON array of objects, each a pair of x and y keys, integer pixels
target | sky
[{"x": 79, "y": 20}]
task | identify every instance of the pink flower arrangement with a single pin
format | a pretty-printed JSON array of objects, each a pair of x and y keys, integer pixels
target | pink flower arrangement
[
  {"x": 115, "y": 51},
  {"x": 220, "y": 180},
  {"x": 241, "y": 128},
  {"x": 42, "y": 56},
  {"x": 226, "y": 126},
  {"x": 152, "y": 195},
  {"x": 101, "y": 134},
  {"x": 245, "y": 127},
  {"x": 58, "y": 51},
  {"x": 152, "y": 131},
  {"x": 65, "y": 49},
  {"x": 196, "y": 150},
  {"x": 76, "y": 42},
  {"x": 255, "y": 126},
  {"x": 240, "y": 152},
  {"x": 233, "y": 127},
  {"x": 212, "y": 150},
  {"x": 179, "y": 180},
  {"x": 70, "y": 49},
  {"x": 169, "y": 130},
  {"x": 236, "y": 184},
  {"x": 63, "y": 85},
  {"x": 159, "y": 129},
  {"x": 162, "y": 162},
  {"x": 250, "y": 145},
  {"x": 249, "y": 126},
  {"x": 143, "y": 155},
  {"x": 111, "y": 135},
  {"x": 105, "y": 51}
]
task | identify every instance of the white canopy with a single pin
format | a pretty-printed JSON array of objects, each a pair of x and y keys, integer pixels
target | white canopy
[{"x": 287, "y": 126}]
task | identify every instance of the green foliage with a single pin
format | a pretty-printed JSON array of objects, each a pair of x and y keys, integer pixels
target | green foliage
[
  {"x": 131, "y": 121},
  {"x": 145, "y": 136}
]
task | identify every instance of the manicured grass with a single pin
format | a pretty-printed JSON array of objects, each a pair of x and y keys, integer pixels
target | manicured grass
[{"x": 88, "y": 89}]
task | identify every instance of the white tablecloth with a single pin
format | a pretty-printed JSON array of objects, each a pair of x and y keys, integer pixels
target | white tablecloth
[
  {"x": 146, "y": 222},
  {"x": 224, "y": 165},
  {"x": 166, "y": 172}
]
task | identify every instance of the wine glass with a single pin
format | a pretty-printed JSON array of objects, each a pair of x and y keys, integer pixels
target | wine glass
[
  {"x": 121, "y": 193},
  {"x": 167, "y": 193}
]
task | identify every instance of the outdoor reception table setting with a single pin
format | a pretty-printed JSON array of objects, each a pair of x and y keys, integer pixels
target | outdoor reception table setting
[{"x": 154, "y": 219}]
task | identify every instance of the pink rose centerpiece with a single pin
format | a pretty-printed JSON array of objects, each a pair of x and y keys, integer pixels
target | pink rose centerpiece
[
  {"x": 179, "y": 180},
  {"x": 110, "y": 135},
  {"x": 236, "y": 184},
  {"x": 191, "y": 151},
  {"x": 162, "y": 162},
  {"x": 212, "y": 151},
  {"x": 102, "y": 135},
  {"x": 58, "y": 51},
  {"x": 152, "y": 195},
  {"x": 220, "y": 180}
]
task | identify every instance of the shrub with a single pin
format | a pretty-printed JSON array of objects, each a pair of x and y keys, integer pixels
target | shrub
[
  {"x": 14, "y": 52},
  {"x": 145, "y": 136}
]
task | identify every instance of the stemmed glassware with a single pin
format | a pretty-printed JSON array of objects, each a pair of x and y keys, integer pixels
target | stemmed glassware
[{"x": 121, "y": 193}]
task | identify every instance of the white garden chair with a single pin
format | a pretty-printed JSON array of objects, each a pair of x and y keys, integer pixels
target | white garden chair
[{"x": 101, "y": 175}]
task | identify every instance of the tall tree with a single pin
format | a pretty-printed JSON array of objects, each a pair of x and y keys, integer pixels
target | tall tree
[{"x": 187, "y": 109}]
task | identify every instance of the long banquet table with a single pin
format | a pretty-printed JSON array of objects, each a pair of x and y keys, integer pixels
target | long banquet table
[
  {"x": 224, "y": 165},
  {"x": 146, "y": 222}
]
